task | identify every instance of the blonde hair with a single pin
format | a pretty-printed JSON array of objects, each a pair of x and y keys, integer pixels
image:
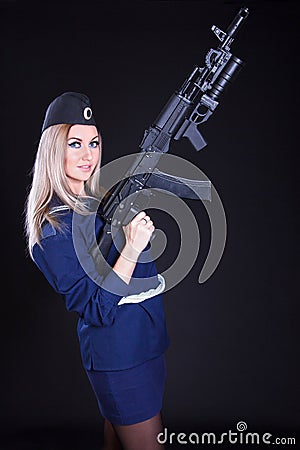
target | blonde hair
[{"x": 49, "y": 178}]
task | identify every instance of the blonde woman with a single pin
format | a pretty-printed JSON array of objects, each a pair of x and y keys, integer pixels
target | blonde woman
[{"x": 122, "y": 342}]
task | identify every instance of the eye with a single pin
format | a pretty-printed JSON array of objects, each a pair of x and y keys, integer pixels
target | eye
[
  {"x": 74, "y": 144},
  {"x": 94, "y": 144}
]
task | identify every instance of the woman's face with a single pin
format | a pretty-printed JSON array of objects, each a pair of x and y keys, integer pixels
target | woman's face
[{"x": 81, "y": 156}]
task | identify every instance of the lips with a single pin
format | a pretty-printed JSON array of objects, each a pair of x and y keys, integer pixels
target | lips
[{"x": 85, "y": 167}]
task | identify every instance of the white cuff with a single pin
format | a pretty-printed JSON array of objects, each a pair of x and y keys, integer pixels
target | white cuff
[{"x": 137, "y": 298}]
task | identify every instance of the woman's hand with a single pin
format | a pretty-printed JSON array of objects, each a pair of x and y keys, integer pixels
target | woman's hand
[{"x": 137, "y": 233}]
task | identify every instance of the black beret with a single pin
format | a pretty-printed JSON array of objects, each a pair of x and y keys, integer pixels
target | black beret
[{"x": 70, "y": 107}]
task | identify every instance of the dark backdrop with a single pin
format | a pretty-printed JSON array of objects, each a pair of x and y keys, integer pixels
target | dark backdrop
[{"x": 234, "y": 339}]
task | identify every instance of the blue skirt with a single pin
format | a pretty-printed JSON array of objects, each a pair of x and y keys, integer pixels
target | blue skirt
[{"x": 132, "y": 395}]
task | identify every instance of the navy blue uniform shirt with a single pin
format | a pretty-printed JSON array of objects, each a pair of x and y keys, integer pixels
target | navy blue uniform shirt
[{"x": 111, "y": 336}]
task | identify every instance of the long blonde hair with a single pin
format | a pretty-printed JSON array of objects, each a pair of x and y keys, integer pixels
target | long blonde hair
[{"x": 49, "y": 179}]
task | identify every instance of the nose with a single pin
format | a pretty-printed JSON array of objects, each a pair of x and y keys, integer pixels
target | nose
[{"x": 87, "y": 153}]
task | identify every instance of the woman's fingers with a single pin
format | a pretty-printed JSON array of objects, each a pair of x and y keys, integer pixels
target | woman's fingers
[
  {"x": 142, "y": 219},
  {"x": 138, "y": 231},
  {"x": 149, "y": 224},
  {"x": 138, "y": 217},
  {"x": 146, "y": 223}
]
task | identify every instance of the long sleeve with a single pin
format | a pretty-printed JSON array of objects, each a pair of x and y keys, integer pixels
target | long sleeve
[
  {"x": 58, "y": 262},
  {"x": 119, "y": 326}
]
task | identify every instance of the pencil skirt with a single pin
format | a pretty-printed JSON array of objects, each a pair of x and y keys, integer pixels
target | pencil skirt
[{"x": 132, "y": 395}]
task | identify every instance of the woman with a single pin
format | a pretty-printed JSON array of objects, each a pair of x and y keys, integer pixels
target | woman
[{"x": 122, "y": 337}]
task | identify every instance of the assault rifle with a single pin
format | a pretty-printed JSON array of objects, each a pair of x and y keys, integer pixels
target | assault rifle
[{"x": 186, "y": 109}]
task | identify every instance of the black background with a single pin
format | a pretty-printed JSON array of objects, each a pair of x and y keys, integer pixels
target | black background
[{"x": 234, "y": 351}]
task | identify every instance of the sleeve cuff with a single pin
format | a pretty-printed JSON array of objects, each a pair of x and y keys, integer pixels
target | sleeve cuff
[{"x": 137, "y": 298}]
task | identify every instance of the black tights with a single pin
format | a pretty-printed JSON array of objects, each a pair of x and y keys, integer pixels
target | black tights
[{"x": 139, "y": 436}]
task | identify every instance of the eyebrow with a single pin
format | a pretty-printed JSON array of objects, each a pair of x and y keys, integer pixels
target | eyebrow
[{"x": 78, "y": 139}]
